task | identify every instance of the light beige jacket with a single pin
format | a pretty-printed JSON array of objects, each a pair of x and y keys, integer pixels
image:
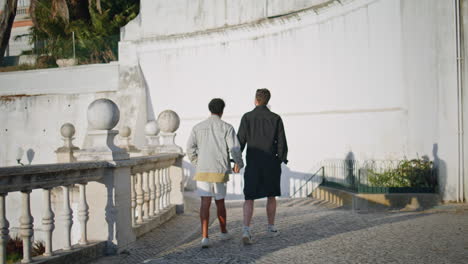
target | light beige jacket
[{"x": 209, "y": 148}]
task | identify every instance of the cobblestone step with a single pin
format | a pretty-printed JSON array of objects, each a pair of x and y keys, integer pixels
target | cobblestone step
[{"x": 310, "y": 232}]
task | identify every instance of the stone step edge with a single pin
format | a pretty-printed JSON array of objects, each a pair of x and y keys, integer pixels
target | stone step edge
[
  {"x": 377, "y": 202},
  {"x": 79, "y": 254}
]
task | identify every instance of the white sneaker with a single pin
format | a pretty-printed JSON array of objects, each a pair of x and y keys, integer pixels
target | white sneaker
[
  {"x": 246, "y": 237},
  {"x": 272, "y": 230},
  {"x": 225, "y": 236},
  {"x": 205, "y": 243}
]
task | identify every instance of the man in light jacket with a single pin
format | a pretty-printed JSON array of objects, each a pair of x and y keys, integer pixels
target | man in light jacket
[{"x": 209, "y": 148}]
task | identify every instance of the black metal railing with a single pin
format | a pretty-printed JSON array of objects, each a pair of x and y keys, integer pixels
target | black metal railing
[
  {"x": 23, "y": 7},
  {"x": 314, "y": 176},
  {"x": 85, "y": 51}
]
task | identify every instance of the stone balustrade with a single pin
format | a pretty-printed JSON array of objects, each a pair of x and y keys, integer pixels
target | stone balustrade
[
  {"x": 150, "y": 179},
  {"x": 120, "y": 197}
]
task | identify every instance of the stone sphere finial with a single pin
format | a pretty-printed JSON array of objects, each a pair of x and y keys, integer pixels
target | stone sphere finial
[
  {"x": 103, "y": 114},
  {"x": 168, "y": 121},
  {"x": 67, "y": 130},
  {"x": 125, "y": 131},
  {"x": 151, "y": 128}
]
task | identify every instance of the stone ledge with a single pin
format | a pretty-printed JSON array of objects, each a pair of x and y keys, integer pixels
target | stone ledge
[
  {"x": 156, "y": 221},
  {"x": 78, "y": 255},
  {"x": 377, "y": 202}
]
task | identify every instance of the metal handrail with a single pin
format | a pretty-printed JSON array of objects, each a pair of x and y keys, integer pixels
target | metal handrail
[{"x": 322, "y": 168}]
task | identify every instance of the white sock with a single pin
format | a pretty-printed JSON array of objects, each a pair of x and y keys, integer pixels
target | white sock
[{"x": 247, "y": 228}]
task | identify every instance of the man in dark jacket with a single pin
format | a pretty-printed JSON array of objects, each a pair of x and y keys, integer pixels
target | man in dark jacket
[{"x": 263, "y": 133}]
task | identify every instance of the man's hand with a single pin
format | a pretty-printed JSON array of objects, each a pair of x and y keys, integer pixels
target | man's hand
[{"x": 236, "y": 168}]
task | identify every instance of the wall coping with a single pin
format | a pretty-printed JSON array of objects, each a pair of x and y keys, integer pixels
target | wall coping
[{"x": 253, "y": 30}]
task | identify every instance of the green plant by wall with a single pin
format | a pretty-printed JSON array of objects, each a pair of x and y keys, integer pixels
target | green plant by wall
[
  {"x": 14, "y": 249},
  {"x": 408, "y": 173}
]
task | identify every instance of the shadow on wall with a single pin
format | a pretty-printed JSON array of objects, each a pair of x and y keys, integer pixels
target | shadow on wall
[
  {"x": 30, "y": 155},
  {"x": 440, "y": 170},
  {"x": 149, "y": 101}
]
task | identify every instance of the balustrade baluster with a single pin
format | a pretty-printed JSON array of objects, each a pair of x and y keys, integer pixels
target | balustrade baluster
[
  {"x": 83, "y": 214},
  {"x": 158, "y": 190},
  {"x": 4, "y": 225},
  {"x": 152, "y": 189},
  {"x": 139, "y": 198},
  {"x": 169, "y": 186},
  {"x": 132, "y": 188},
  {"x": 146, "y": 196},
  {"x": 26, "y": 226},
  {"x": 48, "y": 220},
  {"x": 166, "y": 192},
  {"x": 161, "y": 190},
  {"x": 67, "y": 216},
  {"x": 164, "y": 188}
]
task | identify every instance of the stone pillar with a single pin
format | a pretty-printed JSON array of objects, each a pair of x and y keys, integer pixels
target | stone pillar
[
  {"x": 109, "y": 202},
  {"x": 176, "y": 173},
  {"x": 168, "y": 122},
  {"x": 109, "y": 199},
  {"x": 152, "y": 138},
  {"x": 65, "y": 154},
  {"x": 103, "y": 116}
]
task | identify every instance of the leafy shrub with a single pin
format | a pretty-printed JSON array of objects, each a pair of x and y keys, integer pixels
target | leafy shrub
[
  {"x": 408, "y": 173},
  {"x": 95, "y": 25},
  {"x": 15, "y": 249}
]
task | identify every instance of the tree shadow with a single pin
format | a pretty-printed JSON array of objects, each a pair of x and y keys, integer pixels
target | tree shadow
[
  {"x": 30, "y": 155},
  {"x": 300, "y": 230}
]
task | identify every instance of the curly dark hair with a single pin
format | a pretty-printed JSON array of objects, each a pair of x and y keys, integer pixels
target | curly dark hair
[
  {"x": 216, "y": 106},
  {"x": 263, "y": 96}
]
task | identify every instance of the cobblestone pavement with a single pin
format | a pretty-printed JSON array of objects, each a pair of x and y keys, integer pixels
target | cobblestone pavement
[{"x": 311, "y": 232}]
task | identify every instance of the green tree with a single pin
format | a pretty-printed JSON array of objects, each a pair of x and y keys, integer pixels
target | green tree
[
  {"x": 7, "y": 17},
  {"x": 95, "y": 23}
]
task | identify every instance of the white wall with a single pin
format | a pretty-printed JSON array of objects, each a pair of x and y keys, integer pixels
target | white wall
[
  {"x": 367, "y": 77},
  {"x": 72, "y": 80},
  {"x": 169, "y": 17},
  {"x": 33, "y": 107},
  {"x": 35, "y": 104}
]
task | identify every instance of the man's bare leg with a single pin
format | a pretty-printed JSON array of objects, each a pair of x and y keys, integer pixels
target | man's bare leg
[
  {"x": 271, "y": 210},
  {"x": 248, "y": 212},
  {"x": 205, "y": 215},
  {"x": 221, "y": 210}
]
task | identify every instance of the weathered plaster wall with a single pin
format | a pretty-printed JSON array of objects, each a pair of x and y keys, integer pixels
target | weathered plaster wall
[
  {"x": 169, "y": 17},
  {"x": 35, "y": 104},
  {"x": 368, "y": 78}
]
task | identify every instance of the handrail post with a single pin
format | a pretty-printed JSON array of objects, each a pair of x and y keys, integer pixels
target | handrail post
[
  {"x": 323, "y": 174},
  {"x": 4, "y": 225}
]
